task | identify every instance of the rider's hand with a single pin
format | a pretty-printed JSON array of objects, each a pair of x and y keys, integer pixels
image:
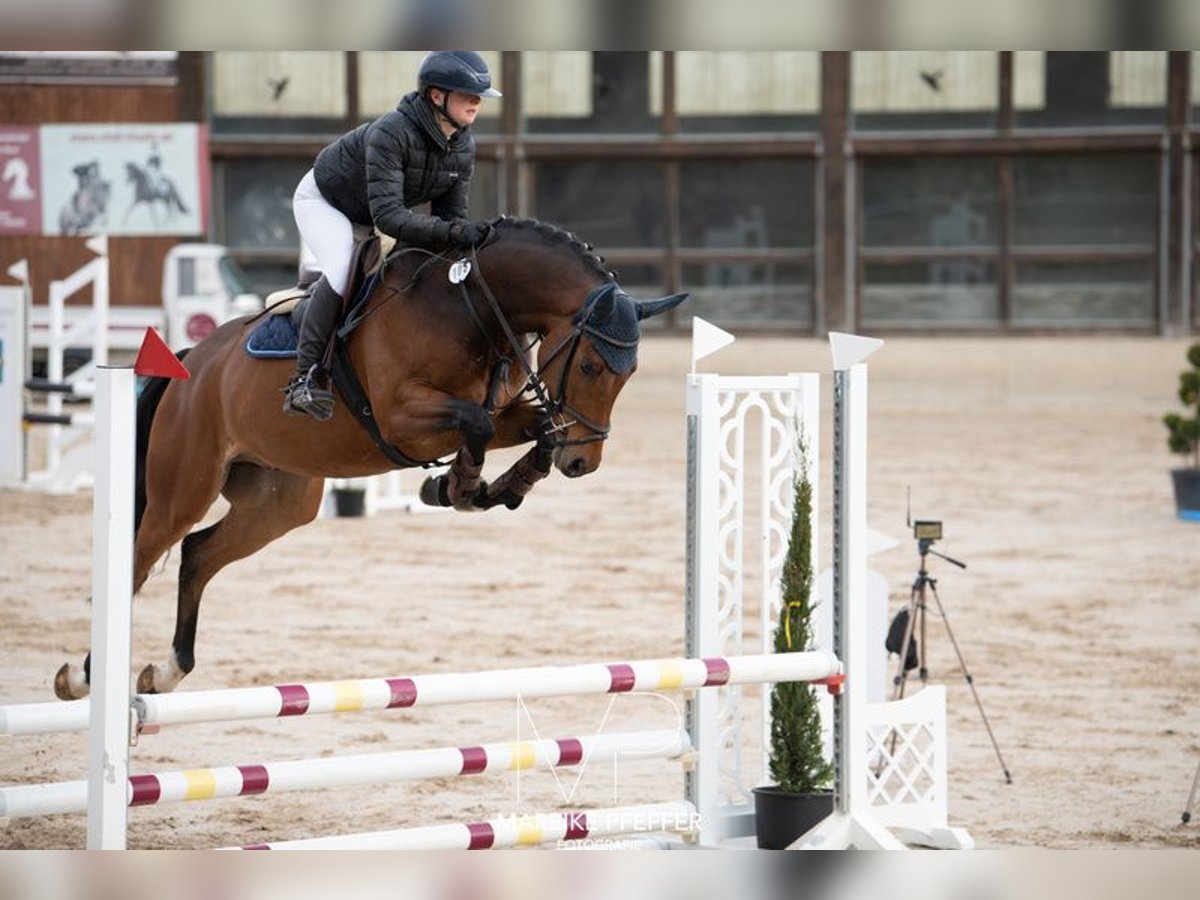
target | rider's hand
[{"x": 465, "y": 233}]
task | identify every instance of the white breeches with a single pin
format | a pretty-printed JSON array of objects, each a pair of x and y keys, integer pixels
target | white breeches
[{"x": 327, "y": 234}]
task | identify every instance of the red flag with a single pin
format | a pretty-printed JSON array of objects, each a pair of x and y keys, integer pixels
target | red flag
[{"x": 156, "y": 358}]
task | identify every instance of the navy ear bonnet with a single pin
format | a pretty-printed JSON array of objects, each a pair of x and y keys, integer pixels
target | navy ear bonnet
[{"x": 610, "y": 317}]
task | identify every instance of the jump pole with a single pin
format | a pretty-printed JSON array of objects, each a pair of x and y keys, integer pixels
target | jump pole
[
  {"x": 678, "y": 817},
  {"x": 346, "y": 771},
  {"x": 318, "y": 698}
]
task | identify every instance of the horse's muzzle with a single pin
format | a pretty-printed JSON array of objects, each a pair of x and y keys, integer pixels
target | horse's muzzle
[{"x": 576, "y": 461}]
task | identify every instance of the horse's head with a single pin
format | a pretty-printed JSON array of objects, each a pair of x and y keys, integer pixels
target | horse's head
[
  {"x": 548, "y": 281},
  {"x": 584, "y": 363},
  {"x": 87, "y": 172}
]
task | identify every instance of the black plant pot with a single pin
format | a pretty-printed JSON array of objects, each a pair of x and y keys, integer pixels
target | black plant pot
[
  {"x": 780, "y": 817},
  {"x": 1187, "y": 493},
  {"x": 350, "y": 502}
]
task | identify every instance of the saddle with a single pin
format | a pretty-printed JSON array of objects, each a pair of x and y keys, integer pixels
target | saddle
[
  {"x": 371, "y": 249},
  {"x": 276, "y": 334}
]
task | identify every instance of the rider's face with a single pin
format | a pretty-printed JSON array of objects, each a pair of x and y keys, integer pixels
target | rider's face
[{"x": 463, "y": 107}]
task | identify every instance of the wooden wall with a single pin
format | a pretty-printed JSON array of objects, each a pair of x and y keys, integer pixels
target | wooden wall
[{"x": 135, "y": 262}]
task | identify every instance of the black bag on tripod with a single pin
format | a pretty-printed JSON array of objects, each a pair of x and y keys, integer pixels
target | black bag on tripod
[{"x": 895, "y": 640}]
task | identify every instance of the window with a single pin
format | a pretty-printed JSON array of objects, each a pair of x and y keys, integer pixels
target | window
[
  {"x": 924, "y": 89},
  {"x": 588, "y": 92},
  {"x": 257, "y": 201},
  {"x": 1085, "y": 295},
  {"x": 946, "y": 294},
  {"x": 944, "y": 214},
  {"x": 1137, "y": 79},
  {"x": 935, "y": 203},
  {"x": 187, "y": 277},
  {"x": 736, "y": 90},
  {"x": 749, "y": 294},
  {"x": 609, "y": 204},
  {"x": 1104, "y": 207},
  {"x": 557, "y": 84},
  {"x": 1195, "y": 86},
  {"x": 1086, "y": 201},
  {"x": 1061, "y": 89},
  {"x": 738, "y": 204},
  {"x": 260, "y": 90}
]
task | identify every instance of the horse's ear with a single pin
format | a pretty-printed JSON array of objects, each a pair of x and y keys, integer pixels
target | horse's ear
[
  {"x": 648, "y": 308},
  {"x": 605, "y": 303}
]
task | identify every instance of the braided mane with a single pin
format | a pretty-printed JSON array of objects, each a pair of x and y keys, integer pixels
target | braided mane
[{"x": 553, "y": 235}]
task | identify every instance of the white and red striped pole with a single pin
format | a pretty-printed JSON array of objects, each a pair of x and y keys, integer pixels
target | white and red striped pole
[
  {"x": 677, "y": 817},
  {"x": 360, "y": 695},
  {"x": 344, "y": 771}
]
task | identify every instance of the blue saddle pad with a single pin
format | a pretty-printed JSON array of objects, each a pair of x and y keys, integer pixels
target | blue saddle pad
[{"x": 275, "y": 337}]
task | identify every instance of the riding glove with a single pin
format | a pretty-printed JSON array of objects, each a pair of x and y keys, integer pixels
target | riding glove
[{"x": 465, "y": 233}]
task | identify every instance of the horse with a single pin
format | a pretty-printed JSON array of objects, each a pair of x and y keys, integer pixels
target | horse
[
  {"x": 88, "y": 206},
  {"x": 152, "y": 190},
  {"x": 527, "y": 339}
]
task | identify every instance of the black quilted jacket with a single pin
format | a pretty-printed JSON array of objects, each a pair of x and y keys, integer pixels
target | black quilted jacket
[{"x": 378, "y": 172}]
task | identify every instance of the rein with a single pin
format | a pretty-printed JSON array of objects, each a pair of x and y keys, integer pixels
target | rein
[{"x": 560, "y": 415}]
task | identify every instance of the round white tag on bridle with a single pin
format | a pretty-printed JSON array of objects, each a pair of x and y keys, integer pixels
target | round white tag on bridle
[{"x": 459, "y": 271}]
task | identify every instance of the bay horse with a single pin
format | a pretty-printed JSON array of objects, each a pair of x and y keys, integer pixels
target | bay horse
[{"x": 437, "y": 348}]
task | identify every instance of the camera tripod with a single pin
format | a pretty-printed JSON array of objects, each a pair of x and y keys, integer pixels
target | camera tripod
[{"x": 926, "y": 585}]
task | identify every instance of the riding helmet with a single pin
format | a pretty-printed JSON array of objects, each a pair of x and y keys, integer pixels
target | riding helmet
[{"x": 456, "y": 70}]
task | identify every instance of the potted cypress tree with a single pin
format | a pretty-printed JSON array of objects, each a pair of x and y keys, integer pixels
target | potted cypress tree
[
  {"x": 802, "y": 794},
  {"x": 1183, "y": 437}
]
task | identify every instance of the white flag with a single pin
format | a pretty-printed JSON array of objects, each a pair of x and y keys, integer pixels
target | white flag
[
  {"x": 706, "y": 339},
  {"x": 19, "y": 271},
  {"x": 851, "y": 349}
]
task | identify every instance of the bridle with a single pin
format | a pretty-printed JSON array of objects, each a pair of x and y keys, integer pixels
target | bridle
[{"x": 558, "y": 414}]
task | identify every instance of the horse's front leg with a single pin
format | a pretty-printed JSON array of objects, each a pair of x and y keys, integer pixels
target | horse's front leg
[
  {"x": 463, "y": 484},
  {"x": 519, "y": 425},
  {"x": 509, "y": 489}
]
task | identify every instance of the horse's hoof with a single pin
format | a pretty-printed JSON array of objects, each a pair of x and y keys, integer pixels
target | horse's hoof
[
  {"x": 145, "y": 682},
  {"x": 435, "y": 491},
  {"x": 70, "y": 683}
]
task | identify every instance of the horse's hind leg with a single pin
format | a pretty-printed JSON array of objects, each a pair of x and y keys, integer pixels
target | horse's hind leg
[
  {"x": 173, "y": 508},
  {"x": 264, "y": 505}
]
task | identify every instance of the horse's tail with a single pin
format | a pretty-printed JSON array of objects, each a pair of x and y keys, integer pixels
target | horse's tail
[{"x": 147, "y": 405}]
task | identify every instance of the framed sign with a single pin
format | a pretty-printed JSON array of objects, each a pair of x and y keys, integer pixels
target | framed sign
[{"x": 126, "y": 179}]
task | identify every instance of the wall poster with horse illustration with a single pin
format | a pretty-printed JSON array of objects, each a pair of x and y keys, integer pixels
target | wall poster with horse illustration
[{"x": 124, "y": 179}]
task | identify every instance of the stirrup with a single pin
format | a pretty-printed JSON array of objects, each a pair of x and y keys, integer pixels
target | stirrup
[{"x": 303, "y": 397}]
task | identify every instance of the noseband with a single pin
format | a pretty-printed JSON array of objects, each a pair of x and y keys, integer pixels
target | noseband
[
  {"x": 557, "y": 408},
  {"x": 559, "y": 415}
]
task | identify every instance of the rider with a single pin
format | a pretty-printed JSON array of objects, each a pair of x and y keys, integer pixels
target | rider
[
  {"x": 154, "y": 173},
  {"x": 420, "y": 152}
]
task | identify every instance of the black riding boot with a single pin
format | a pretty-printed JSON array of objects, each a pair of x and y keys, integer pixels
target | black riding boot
[{"x": 308, "y": 391}]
